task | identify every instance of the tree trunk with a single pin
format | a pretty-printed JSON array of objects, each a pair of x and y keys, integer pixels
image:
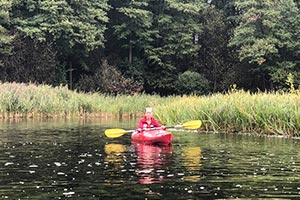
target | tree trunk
[{"x": 130, "y": 52}]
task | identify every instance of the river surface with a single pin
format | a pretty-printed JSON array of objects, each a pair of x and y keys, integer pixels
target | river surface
[{"x": 58, "y": 159}]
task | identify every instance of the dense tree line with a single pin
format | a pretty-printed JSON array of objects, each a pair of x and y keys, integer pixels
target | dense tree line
[{"x": 153, "y": 46}]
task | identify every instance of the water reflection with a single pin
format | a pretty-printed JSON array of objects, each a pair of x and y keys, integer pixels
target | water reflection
[
  {"x": 114, "y": 153},
  {"x": 191, "y": 157},
  {"x": 74, "y": 160},
  {"x": 152, "y": 162}
]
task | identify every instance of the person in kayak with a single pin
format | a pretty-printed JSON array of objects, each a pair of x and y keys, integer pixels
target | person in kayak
[{"x": 148, "y": 121}]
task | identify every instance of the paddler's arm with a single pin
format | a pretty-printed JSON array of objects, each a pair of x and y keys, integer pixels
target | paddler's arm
[
  {"x": 155, "y": 123},
  {"x": 141, "y": 123}
]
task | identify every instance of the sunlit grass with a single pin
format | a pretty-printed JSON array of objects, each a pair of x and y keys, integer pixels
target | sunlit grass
[
  {"x": 236, "y": 111},
  {"x": 31, "y": 100},
  {"x": 239, "y": 111}
]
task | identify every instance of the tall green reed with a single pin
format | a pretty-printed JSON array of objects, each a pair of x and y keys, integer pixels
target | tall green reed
[{"x": 234, "y": 111}]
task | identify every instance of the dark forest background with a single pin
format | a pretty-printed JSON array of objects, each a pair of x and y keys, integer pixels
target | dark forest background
[{"x": 154, "y": 46}]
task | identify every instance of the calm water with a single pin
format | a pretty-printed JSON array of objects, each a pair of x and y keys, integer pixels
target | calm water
[{"x": 74, "y": 160}]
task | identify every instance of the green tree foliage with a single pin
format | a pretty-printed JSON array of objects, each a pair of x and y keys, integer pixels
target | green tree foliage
[
  {"x": 267, "y": 35},
  {"x": 68, "y": 23},
  {"x": 175, "y": 24},
  {"x": 5, "y": 37},
  {"x": 75, "y": 28},
  {"x": 214, "y": 56},
  {"x": 134, "y": 70},
  {"x": 282, "y": 71},
  {"x": 192, "y": 83},
  {"x": 109, "y": 80},
  {"x": 132, "y": 28},
  {"x": 31, "y": 61},
  {"x": 151, "y": 45}
]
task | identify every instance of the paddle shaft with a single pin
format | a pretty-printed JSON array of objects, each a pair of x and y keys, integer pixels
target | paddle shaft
[{"x": 114, "y": 133}]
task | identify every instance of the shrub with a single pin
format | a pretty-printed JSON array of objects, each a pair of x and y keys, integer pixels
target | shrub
[
  {"x": 192, "y": 83},
  {"x": 109, "y": 80}
]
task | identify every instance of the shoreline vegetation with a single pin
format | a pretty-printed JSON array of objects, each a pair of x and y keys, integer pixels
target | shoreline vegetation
[{"x": 274, "y": 113}]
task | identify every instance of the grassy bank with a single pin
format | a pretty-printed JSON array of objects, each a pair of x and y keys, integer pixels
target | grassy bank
[
  {"x": 238, "y": 111},
  {"x": 29, "y": 100}
]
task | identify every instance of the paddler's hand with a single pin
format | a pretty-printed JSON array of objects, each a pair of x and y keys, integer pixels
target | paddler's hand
[
  {"x": 139, "y": 130},
  {"x": 163, "y": 127}
]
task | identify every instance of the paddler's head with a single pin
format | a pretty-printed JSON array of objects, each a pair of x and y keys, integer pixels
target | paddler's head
[{"x": 148, "y": 112}]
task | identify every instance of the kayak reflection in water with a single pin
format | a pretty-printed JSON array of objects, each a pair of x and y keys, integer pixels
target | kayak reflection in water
[
  {"x": 148, "y": 121},
  {"x": 152, "y": 162}
]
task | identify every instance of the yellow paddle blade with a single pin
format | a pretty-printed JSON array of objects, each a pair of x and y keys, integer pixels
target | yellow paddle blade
[
  {"x": 115, "y": 132},
  {"x": 192, "y": 125}
]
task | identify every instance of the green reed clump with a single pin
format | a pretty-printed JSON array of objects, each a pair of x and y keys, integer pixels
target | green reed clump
[
  {"x": 43, "y": 100},
  {"x": 235, "y": 111},
  {"x": 239, "y": 111},
  {"x": 32, "y": 99}
]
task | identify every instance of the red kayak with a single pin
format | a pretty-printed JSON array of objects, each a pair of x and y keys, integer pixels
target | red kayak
[{"x": 152, "y": 137}]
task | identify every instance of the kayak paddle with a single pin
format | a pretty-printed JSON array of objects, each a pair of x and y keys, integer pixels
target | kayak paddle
[
  {"x": 191, "y": 125},
  {"x": 117, "y": 132}
]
